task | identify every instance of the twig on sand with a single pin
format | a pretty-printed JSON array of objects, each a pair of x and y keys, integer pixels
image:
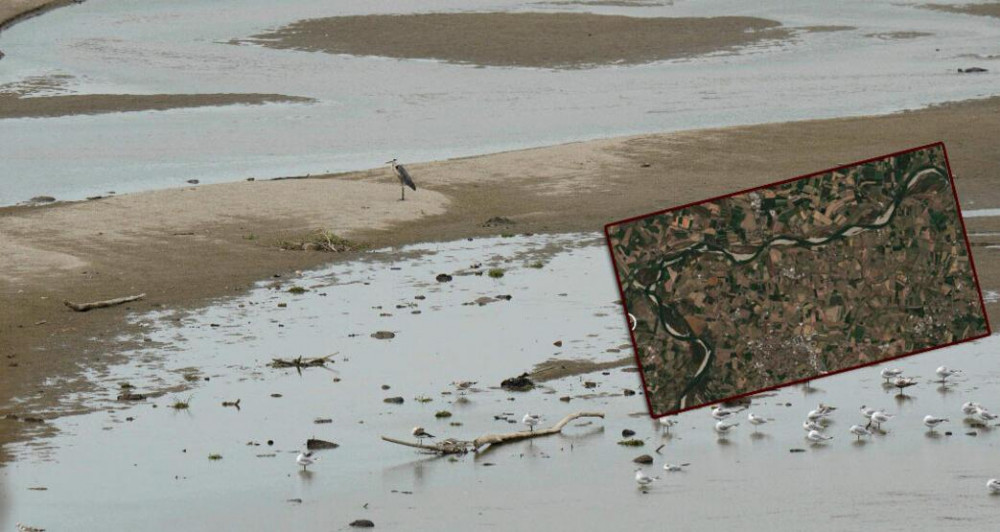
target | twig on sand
[
  {"x": 453, "y": 446},
  {"x": 84, "y": 307}
]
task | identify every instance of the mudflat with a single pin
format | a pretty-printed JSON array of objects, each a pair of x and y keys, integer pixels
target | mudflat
[
  {"x": 184, "y": 247},
  {"x": 547, "y": 40}
]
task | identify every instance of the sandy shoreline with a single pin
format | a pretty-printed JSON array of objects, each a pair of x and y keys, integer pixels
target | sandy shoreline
[
  {"x": 15, "y": 106},
  {"x": 187, "y": 246}
]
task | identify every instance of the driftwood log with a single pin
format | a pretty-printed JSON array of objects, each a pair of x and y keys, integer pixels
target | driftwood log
[
  {"x": 84, "y": 307},
  {"x": 453, "y": 446}
]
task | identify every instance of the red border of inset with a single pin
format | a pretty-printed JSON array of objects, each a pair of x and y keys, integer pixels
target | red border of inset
[{"x": 965, "y": 236}]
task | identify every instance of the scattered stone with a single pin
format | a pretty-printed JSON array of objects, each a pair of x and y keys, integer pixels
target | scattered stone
[
  {"x": 322, "y": 420},
  {"x": 643, "y": 459},
  {"x": 385, "y": 386},
  {"x": 632, "y": 442},
  {"x": 38, "y": 488},
  {"x": 393, "y": 400},
  {"x": 796, "y": 450},
  {"x": 629, "y": 392},
  {"x": 383, "y": 335},
  {"x": 443, "y": 278},
  {"x": 565, "y": 398},
  {"x": 521, "y": 383},
  {"x": 193, "y": 181},
  {"x": 972, "y": 70},
  {"x": 276, "y": 395},
  {"x": 442, "y": 414},
  {"x": 42, "y": 199},
  {"x": 282, "y": 305},
  {"x": 627, "y": 433},
  {"x": 947, "y": 433},
  {"x": 589, "y": 384},
  {"x": 362, "y": 523},
  {"x": 971, "y": 433},
  {"x": 270, "y": 442},
  {"x": 315, "y": 444},
  {"x": 420, "y": 297},
  {"x": 297, "y": 501},
  {"x": 557, "y": 343}
]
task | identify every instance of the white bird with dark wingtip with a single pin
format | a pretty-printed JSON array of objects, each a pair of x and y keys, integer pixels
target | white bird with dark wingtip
[
  {"x": 944, "y": 372},
  {"x": 969, "y": 408},
  {"x": 723, "y": 428},
  {"x": 720, "y": 413},
  {"x": 756, "y": 420},
  {"x": 404, "y": 178},
  {"x": 890, "y": 373},
  {"x": 984, "y": 415},
  {"x": 903, "y": 382},
  {"x": 816, "y": 415},
  {"x": 932, "y": 422},
  {"x": 642, "y": 479},
  {"x": 880, "y": 417},
  {"x": 667, "y": 422},
  {"x": 868, "y": 412},
  {"x": 305, "y": 459},
  {"x": 531, "y": 420},
  {"x": 419, "y": 433},
  {"x": 675, "y": 468},
  {"x": 993, "y": 485},
  {"x": 811, "y": 425},
  {"x": 816, "y": 436},
  {"x": 860, "y": 431},
  {"x": 826, "y": 409}
]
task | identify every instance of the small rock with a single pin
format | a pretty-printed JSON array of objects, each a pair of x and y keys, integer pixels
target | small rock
[
  {"x": 383, "y": 335},
  {"x": 643, "y": 459},
  {"x": 385, "y": 386},
  {"x": 193, "y": 181},
  {"x": 947, "y": 433},
  {"x": 393, "y": 400},
  {"x": 589, "y": 384},
  {"x": 297, "y": 501},
  {"x": 627, "y": 433},
  {"x": 276, "y": 395},
  {"x": 629, "y": 392},
  {"x": 322, "y": 420},
  {"x": 972, "y": 70},
  {"x": 796, "y": 450},
  {"x": 442, "y": 413},
  {"x": 362, "y": 523},
  {"x": 565, "y": 398},
  {"x": 971, "y": 433},
  {"x": 42, "y": 199},
  {"x": 557, "y": 343},
  {"x": 282, "y": 305},
  {"x": 521, "y": 383},
  {"x": 420, "y": 297},
  {"x": 443, "y": 278}
]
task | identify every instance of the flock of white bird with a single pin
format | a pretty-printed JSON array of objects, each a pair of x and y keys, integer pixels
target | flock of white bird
[{"x": 816, "y": 422}]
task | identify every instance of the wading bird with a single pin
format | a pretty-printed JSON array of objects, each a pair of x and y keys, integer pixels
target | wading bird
[
  {"x": 993, "y": 485},
  {"x": 859, "y": 431},
  {"x": 419, "y": 433},
  {"x": 530, "y": 420},
  {"x": 304, "y": 459},
  {"x": 932, "y": 422},
  {"x": 666, "y": 423},
  {"x": 944, "y": 372},
  {"x": 880, "y": 417},
  {"x": 890, "y": 373},
  {"x": 815, "y": 436},
  {"x": 970, "y": 408},
  {"x": 642, "y": 479},
  {"x": 904, "y": 382},
  {"x": 404, "y": 178},
  {"x": 723, "y": 428}
]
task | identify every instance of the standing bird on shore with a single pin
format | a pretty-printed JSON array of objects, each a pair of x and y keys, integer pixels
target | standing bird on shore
[
  {"x": 993, "y": 485},
  {"x": 816, "y": 436},
  {"x": 723, "y": 428},
  {"x": 304, "y": 459},
  {"x": 404, "y": 178},
  {"x": 756, "y": 420},
  {"x": 642, "y": 479},
  {"x": 903, "y": 382},
  {"x": 419, "y": 433},
  {"x": 944, "y": 372},
  {"x": 880, "y": 417},
  {"x": 969, "y": 408},
  {"x": 860, "y": 431},
  {"x": 890, "y": 373},
  {"x": 530, "y": 420},
  {"x": 666, "y": 423},
  {"x": 932, "y": 422}
]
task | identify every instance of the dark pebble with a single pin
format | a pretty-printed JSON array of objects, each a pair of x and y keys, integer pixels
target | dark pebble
[
  {"x": 628, "y": 392},
  {"x": 383, "y": 335},
  {"x": 393, "y": 400},
  {"x": 796, "y": 450},
  {"x": 362, "y": 523},
  {"x": 627, "y": 432},
  {"x": 193, "y": 181},
  {"x": 443, "y": 278},
  {"x": 643, "y": 459}
]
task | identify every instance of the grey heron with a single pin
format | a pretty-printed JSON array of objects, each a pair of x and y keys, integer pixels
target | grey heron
[{"x": 404, "y": 178}]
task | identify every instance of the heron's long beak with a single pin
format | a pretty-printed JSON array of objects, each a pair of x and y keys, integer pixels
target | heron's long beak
[{"x": 389, "y": 162}]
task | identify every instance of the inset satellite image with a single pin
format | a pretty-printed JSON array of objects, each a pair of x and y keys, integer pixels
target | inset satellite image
[{"x": 796, "y": 280}]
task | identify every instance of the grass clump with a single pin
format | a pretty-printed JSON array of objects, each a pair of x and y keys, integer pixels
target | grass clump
[
  {"x": 297, "y": 290},
  {"x": 422, "y": 399},
  {"x": 181, "y": 405},
  {"x": 632, "y": 442},
  {"x": 442, "y": 414},
  {"x": 495, "y": 273},
  {"x": 215, "y": 456},
  {"x": 537, "y": 265}
]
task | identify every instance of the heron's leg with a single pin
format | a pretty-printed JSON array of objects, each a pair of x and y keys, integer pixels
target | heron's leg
[{"x": 402, "y": 193}]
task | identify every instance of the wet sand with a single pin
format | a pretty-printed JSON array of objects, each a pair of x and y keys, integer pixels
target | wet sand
[
  {"x": 185, "y": 247},
  {"x": 17, "y": 106},
  {"x": 983, "y": 10},
  {"x": 546, "y": 40}
]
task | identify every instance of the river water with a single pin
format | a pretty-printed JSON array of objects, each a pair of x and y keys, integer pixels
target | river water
[
  {"x": 106, "y": 472},
  {"x": 372, "y": 109}
]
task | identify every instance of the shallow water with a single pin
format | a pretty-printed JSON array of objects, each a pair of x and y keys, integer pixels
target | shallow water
[
  {"x": 103, "y": 472},
  {"x": 371, "y": 109}
]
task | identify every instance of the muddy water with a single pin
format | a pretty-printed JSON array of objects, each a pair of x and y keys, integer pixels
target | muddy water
[
  {"x": 104, "y": 472},
  {"x": 371, "y": 109}
]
